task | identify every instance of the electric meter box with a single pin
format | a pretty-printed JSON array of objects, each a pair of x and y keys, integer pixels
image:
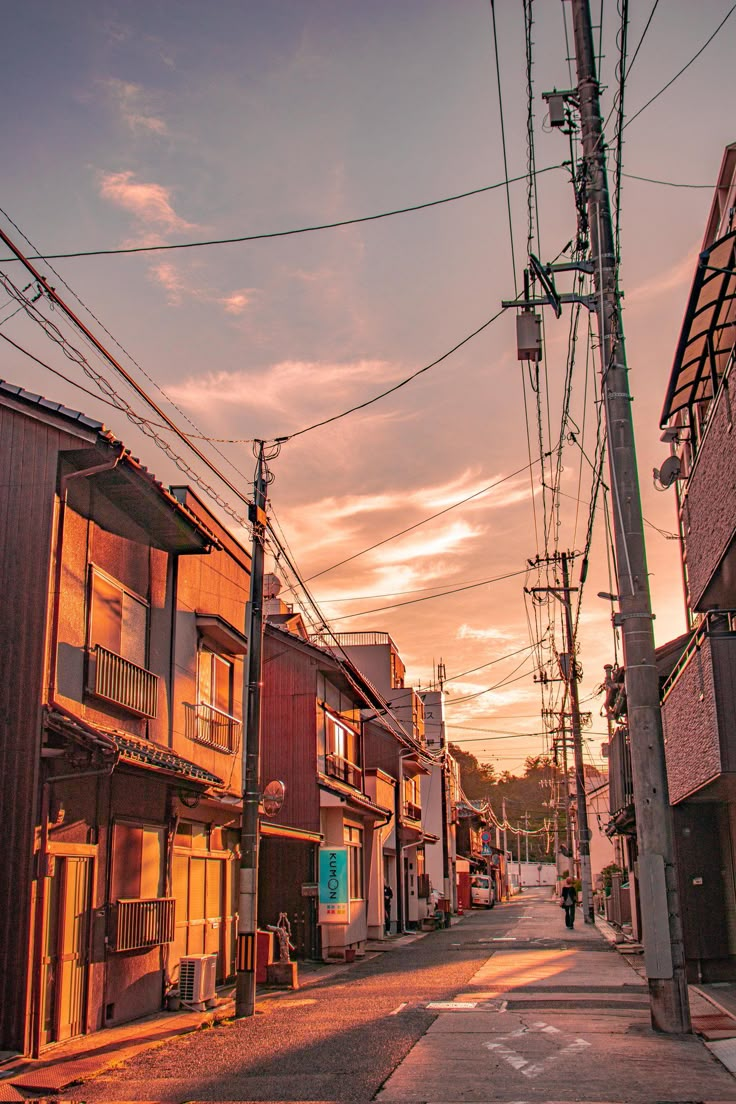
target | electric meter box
[{"x": 529, "y": 336}]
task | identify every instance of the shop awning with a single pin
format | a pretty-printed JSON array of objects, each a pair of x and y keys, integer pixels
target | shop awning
[
  {"x": 708, "y": 329},
  {"x": 284, "y": 831}
]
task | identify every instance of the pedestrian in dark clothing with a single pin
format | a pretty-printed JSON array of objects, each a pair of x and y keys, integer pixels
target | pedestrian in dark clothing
[
  {"x": 568, "y": 900},
  {"x": 388, "y": 894}
]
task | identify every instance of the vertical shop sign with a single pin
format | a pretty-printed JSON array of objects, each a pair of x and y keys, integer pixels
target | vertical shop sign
[{"x": 334, "y": 897}]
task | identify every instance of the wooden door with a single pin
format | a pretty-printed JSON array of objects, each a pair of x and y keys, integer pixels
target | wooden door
[{"x": 65, "y": 959}]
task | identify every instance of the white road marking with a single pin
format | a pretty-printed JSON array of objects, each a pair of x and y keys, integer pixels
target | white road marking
[
  {"x": 523, "y": 1065},
  {"x": 397, "y": 1010}
]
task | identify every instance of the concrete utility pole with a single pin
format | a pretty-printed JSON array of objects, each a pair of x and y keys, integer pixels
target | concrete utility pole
[
  {"x": 577, "y": 747},
  {"x": 245, "y": 985},
  {"x": 569, "y": 671},
  {"x": 505, "y": 845},
  {"x": 663, "y": 944}
]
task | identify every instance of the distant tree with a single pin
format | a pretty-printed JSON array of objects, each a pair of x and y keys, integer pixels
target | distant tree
[{"x": 476, "y": 778}]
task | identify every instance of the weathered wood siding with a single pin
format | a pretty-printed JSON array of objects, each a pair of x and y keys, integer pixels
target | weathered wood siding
[{"x": 29, "y": 451}]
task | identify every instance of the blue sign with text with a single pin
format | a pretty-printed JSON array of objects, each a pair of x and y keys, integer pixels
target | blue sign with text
[{"x": 334, "y": 891}]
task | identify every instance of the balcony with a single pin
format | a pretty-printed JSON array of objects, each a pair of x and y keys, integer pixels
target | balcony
[
  {"x": 118, "y": 680},
  {"x": 337, "y": 767},
  {"x": 620, "y": 782},
  {"x": 708, "y": 511},
  {"x": 213, "y": 727},
  {"x": 140, "y": 923},
  {"x": 698, "y": 711},
  {"x": 412, "y": 811}
]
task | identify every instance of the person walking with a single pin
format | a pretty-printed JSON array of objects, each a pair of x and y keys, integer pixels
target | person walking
[
  {"x": 388, "y": 894},
  {"x": 568, "y": 900}
]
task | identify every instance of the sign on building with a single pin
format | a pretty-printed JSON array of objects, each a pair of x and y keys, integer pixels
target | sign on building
[{"x": 334, "y": 896}]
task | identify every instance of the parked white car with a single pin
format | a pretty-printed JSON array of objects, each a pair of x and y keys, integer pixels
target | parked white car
[{"x": 482, "y": 891}]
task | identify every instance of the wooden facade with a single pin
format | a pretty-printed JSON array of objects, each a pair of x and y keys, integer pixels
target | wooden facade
[
  {"x": 312, "y": 741},
  {"x": 116, "y": 810}
]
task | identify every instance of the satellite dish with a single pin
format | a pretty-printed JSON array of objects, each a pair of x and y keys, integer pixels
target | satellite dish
[
  {"x": 271, "y": 585},
  {"x": 272, "y": 798},
  {"x": 669, "y": 472}
]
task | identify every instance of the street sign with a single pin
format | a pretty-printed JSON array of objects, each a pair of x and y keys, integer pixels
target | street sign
[{"x": 334, "y": 896}]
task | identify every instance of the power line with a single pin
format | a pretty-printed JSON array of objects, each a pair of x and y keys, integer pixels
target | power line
[
  {"x": 666, "y": 183},
  {"x": 695, "y": 56},
  {"x": 416, "y": 525},
  {"x": 429, "y": 597},
  {"x": 396, "y": 387},
  {"x": 280, "y": 233}
]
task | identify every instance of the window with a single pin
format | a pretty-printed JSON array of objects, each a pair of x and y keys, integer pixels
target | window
[
  {"x": 354, "y": 842},
  {"x": 215, "y": 681},
  {"x": 412, "y": 797},
  {"x": 213, "y": 722},
  {"x": 342, "y": 751},
  {"x": 118, "y": 620}
]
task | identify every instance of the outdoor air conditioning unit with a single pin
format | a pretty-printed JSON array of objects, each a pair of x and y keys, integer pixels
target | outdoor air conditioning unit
[{"x": 197, "y": 975}]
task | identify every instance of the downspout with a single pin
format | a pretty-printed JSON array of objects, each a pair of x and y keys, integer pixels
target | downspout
[{"x": 42, "y": 861}]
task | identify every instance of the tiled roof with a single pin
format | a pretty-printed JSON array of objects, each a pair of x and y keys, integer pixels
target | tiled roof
[
  {"x": 51, "y": 407},
  {"x": 146, "y": 753},
  {"x": 130, "y": 749}
]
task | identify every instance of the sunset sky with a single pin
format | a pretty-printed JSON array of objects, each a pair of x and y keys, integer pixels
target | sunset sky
[{"x": 131, "y": 124}]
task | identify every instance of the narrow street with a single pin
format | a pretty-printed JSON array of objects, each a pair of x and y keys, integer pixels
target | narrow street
[{"x": 536, "y": 1013}]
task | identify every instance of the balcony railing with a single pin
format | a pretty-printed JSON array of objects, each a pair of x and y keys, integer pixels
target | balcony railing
[
  {"x": 620, "y": 779},
  {"x": 140, "y": 923},
  {"x": 337, "y": 767},
  {"x": 118, "y": 680},
  {"x": 412, "y": 811},
  {"x": 209, "y": 725}
]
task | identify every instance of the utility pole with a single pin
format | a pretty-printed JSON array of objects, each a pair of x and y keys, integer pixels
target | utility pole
[
  {"x": 245, "y": 985},
  {"x": 577, "y": 747},
  {"x": 663, "y": 942},
  {"x": 505, "y": 845},
  {"x": 569, "y": 671},
  {"x": 526, "y": 837}
]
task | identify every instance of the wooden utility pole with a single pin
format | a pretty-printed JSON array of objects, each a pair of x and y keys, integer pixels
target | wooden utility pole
[
  {"x": 245, "y": 984},
  {"x": 663, "y": 944}
]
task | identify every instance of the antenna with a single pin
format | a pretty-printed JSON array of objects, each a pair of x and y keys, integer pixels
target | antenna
[{"x": 547, "y": 281}]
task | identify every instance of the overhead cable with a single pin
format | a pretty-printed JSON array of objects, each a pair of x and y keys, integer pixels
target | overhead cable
[{"x": 281, "y": 233}]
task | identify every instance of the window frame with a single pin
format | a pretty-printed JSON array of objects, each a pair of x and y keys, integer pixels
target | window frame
[
  {"x": 132, "y": 596},
  {"x": 354, "y": 841}
]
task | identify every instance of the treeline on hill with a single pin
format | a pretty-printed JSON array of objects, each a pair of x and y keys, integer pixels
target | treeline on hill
[{"x": 530, "y": 792}]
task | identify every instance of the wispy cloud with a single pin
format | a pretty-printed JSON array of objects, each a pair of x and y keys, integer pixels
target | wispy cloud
[
  {"x": 676, "y": 276},
  {"x": 149, "y": 203},
  {"x": 167, "y": 276},
  {"x": 236, "y": 302},
  {"x": 280, "y": 386},
  {"x": 132, "y": 102},
  {"x": 468, "y": 632}
]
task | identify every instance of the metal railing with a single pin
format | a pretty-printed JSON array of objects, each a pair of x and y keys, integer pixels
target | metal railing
[
  {"x": 412, "y": 811},
  {"x": 143, "y": 922},
  {"x": 620, "y": 778},
  {"x": 338, "y": 767},
  {"x": 354, "y": 639},
  {"x": 208, "y": 725},
  {"x": 125, "y": 683}
]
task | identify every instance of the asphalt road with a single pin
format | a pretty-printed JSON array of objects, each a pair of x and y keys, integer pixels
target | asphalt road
[{"x": 337, "y": 1040}]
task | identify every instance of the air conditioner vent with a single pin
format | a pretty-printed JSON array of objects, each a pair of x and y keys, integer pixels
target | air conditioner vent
[{"x": 197, "y": 975}]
